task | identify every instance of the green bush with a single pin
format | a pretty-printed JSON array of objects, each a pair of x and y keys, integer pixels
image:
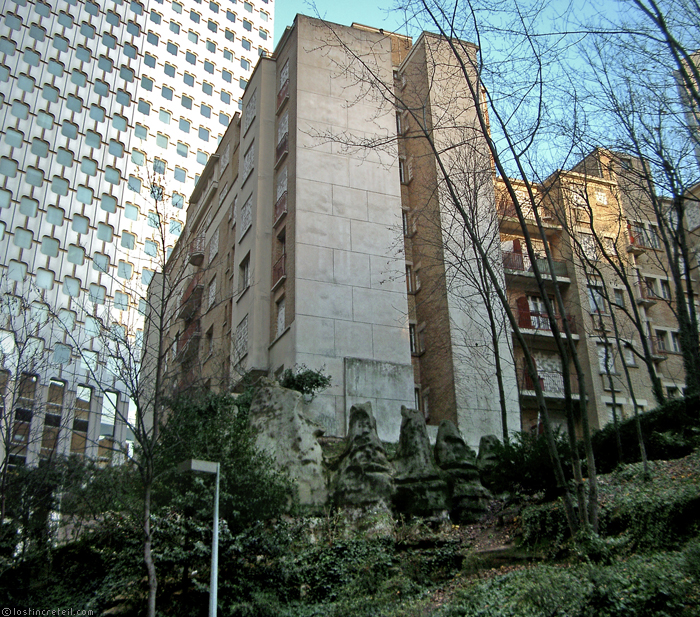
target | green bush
[
  {"x": 670, "y": 431},
  {"x": 524, "y": 464},
  {"x": 648, "y": 586},
  {"x": 305, "y": 380}
]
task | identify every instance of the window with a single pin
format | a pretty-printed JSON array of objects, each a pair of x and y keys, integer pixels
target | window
[
  {"x": 227, "y": 76},
  {"x": 606, "y": 360},
  {"x": 124, "y": 269},
  {"x": 169, "y": 69},
  {"x": 209, "y": 68},
  {"x": 409, "y": 279},
  {"x": 131, "y": 212},
  {"x": 182, "y": 149},
  {"x": 147, "y": 276},
  {"x": 190, "y": 57},
  {"x": 212, "y": 25},
  {"x": 149, "y": 60},
  {"x": 186, "y": 102},
  {"x": 121, "y": 301},
  {"x": 188, "y": 78},
  {"x": 108, "y": 203},
  {"x": 128, "y": 240},
  {"x": 167, "y": 93},
  {"x": 174, "y": 27},
  {"x": 195, "y": 17},
  {"x": 76, "y": 254},
  {"x": 153, "y": 218},
  {"x": 175, "y": 227},
  {"x": 675, "y": 342},
  {"x": 665, "y": 289},
  {"x": 152, "y": 38},
  {"x": 230, "y": 36},
  {"x": 178, "y": 200},
  {"x": 151, "y": 248},
  {"x": 140, "y": 131},
  {"x": 619, "y": 297},
  {"x": 100, "y": 262},
  {"x": 244, "y": 274},
  {"x": 158, "y": 166},
  {"x": 162, "y": 140},
  {"x": 596, "y": 300},
  {"x": 203, "y": 134},
  {"x": 263, "y": 35},
  {"x": 180, "y": 174},
  {"x": 212, "y": 293},
  {"x": 49, "y": 246},
  {"x": 202, "y": 157},
  {"x": 241, "y": 340},
  {"x": 192, "y": 36},
  {"x": 105, "y": 232}
]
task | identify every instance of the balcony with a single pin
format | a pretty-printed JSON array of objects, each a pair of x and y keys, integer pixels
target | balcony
[
  {"x": 188, "y": 343},
  {"x": 192, "y": 298},
  {"x": 196, "y": 255},
  {"x": 657, "y": 348},
  {"x": 551, "y": 383},
  {"x": 283, "y": 94},
  {"x": 642, "y": 240},
  {"x": 278, "y": 272},
  {"x": 282, "y": 149},
  {"x": 532, "y": 320},
  {"x": 519, "y": 264},
  {"x": 508, "y": 217},
  {"x": 646, "y": 296},
  {"x": 280, "y": 208}
]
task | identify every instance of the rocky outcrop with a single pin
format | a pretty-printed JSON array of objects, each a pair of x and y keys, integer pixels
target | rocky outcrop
[
  {"x": 469, "y": 499},
  {"x": 363, "y": 478},
  {"x": 291, "y": 439},
  {"x": 487, "y": 460},
  {"x": 420, "y": 489}
]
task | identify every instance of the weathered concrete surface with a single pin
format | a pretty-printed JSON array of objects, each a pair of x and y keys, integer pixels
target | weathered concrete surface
[
  {"x": 420, "y": 489},
  {"x": 468, "y": 498},
  {"x": 364, "y": 477},
  {"x": 287, "y": 435}
]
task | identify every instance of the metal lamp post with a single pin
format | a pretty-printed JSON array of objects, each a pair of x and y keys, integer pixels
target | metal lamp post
[{"x": 209, "y": 467}]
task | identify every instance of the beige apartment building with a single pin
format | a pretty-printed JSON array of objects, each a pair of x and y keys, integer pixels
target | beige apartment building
[
  {"x": 612, "y": 272},
  {"x": 322, "y": 233}
]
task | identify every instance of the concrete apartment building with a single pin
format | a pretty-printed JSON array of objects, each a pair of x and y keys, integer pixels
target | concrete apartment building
[
  {"x": 322, "y": 233},
  {"x": 306, "y": 250},
  {"x": 109, "y": 111},
  {"x": 591, "y": 213}
]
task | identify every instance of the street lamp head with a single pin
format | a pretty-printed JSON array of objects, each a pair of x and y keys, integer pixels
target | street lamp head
[{"x": 196, "y": 465}]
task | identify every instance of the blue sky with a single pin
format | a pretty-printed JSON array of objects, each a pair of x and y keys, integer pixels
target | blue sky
[{"x": 338, "y": 11}]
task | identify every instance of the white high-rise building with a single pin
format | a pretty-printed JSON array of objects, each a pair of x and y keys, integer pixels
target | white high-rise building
[{"x": 105, "y": 108}]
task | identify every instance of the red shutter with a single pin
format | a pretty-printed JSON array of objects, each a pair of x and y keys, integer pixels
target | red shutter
[
  {"x": 524, "y": 320},
  {"x": 516, "y": 246}
]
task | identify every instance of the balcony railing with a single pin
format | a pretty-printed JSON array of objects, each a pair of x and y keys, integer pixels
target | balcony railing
[
  {"x": 521, "y": 263},
  {"x": 533, "y": 320},
  {"x": 197, "y": 250},
  {"x": 280, "y": 206},
  {"x": 282, "y": 94},
  {"x": 282, "y": 149},
  {"x": 192, "y": 298},
  {"x": 188, "y": 343},
  {"x": 278, "y": 271},
  {"x": 551, "y": 382}
]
